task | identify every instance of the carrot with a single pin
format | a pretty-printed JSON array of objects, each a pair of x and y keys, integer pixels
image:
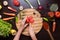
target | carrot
[
  {"x": 8, "y": 18},
  {"x": 12, "y": 9},
  {"x": 9, "y": 14},
  {"x": 54, "y": 26}
]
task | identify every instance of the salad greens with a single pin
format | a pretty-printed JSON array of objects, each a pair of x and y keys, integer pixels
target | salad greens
[{"x": 5, "y": 28}]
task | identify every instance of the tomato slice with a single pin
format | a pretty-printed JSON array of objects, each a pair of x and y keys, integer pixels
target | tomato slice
[{"x": 57, "y": 14}]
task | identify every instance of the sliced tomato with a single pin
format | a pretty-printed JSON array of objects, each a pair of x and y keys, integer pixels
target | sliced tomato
[{"x": 57, "y": 14}]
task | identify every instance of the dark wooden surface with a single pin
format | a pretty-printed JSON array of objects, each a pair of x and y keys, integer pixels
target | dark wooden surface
[{"x": 42, "y": 35}]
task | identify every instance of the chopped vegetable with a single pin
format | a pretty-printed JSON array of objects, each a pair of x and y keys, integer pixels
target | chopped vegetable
[
  {"x": 57, "y": 14},
  {"x": 54, "y": 26},
  {"x": 51, "y": 14},
  {"x": 5, "y": 28},
  {"x": 29, "y": 3},
  {"x": 12, "y": 9},
  {"x": 8, "y": 18},
  {"x": 9, "y": 14},
  {"x": 16, "y": 2},
  {"x": 0, "y": 7},
  {"x": 5, "y": 3},
  {"x": 45, "y": 19}
]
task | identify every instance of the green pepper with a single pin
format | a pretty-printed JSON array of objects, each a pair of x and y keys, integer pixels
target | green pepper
[{"x": 45, "y": 19}]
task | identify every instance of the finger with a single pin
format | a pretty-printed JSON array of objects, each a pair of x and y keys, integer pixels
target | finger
[
  {"x": 25, "y": 25},
  {"x": 31, "y": 28},
  {"x": 24, "y": 20},
  {"x": 32, "y": 33}
]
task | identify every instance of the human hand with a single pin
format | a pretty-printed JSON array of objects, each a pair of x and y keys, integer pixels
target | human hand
[
  {"x": 23, "y": 23},
  {"x": 32, "y": 33}
]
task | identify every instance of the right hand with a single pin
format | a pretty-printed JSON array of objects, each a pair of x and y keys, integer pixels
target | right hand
[{"x": 32, "y": 33}]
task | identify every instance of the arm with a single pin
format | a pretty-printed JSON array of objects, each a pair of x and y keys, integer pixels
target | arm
[
  {"x": 20, "y": 30},
  {"x": 32, "y": 34},
  {"x": 19, "y": 33}
]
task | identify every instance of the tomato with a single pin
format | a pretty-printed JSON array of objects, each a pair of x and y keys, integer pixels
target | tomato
[
  {"x": 30, "y": 19},
  {"x": 16, "y": 3},
  {"x": 57, "y": 14},
  {"x": 51, "y": 14}
]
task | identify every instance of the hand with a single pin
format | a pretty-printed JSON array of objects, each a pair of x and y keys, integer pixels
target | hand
[
  {"x": 24, "y": 24},
  {"x": 31, "y": 32},
  {"x": 21, "y": 29}
]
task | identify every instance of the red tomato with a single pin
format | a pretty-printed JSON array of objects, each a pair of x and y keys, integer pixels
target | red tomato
[
  {"x": 16, "y": 3},
  {"x": 30, "y": 19},
  {"x": 57, "y": 14},
  {"x": 51, "y": 14}
]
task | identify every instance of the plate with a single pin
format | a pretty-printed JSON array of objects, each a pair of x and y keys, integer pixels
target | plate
[{"x": 37, "y": 25}]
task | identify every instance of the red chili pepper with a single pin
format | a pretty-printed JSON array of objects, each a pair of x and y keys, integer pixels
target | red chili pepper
[
  {"x": 57, "y": 14},
  {"x": 16, "y": 2},
  {"x": 30, "y": 19}
]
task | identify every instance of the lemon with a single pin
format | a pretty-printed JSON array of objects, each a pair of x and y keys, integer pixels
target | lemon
[
  {"x": 0, "y": 7},
  {"x": 13, "y": 31}
]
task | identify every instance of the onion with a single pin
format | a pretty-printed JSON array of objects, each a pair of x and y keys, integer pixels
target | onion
[{"x": 5, "y": 3}]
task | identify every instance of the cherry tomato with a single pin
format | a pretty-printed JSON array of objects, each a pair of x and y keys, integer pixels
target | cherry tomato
[
  {"x": 57, "y": 14},
  {"x": 16, "y": 3}
]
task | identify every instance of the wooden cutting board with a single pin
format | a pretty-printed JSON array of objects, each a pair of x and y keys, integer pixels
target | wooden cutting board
[{"x": 37, "y": 25}]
